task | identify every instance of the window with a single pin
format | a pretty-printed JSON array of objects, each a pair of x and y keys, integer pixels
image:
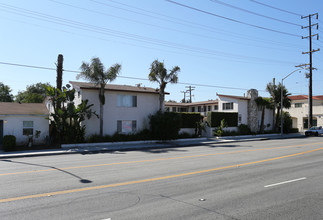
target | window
[
  {"x": 173, "y": 109},
  {"x": 193, "y": 109},
  {"x": 166, "y": 109},
  {"x": 209, "y": 108},
  {"x": 127, "y": 101},
  {"x": 28, "y": 128},
  {"x": 216, "y": 107},
  {"x": 298, "y": 105},
  {"x": 239, "y": 119},
  {"x": 126, "y": 126},
  {"x": 227, "y": 106}
]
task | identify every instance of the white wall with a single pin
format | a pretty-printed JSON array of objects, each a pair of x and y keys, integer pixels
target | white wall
[
  {"x": 13, "y": 125},
  {"x": 147, "y": 103}
]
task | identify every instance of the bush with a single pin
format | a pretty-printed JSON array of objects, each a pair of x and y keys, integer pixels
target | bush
[
  {"x": 9, "y": 143},
  {"x": 214, "y": 118},
  {"x": 244, "y": 129},
  {"x": 189, "y": 119},
  {"x": 293, "y": 130},
  {"x": 165, "y": 125}
]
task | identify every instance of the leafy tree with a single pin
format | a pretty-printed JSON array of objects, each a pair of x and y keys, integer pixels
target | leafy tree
[
  {"x": 66, "y": 121},
  {"x": 96, "y": 73},
  {"x": 158, "y": 73},
  {"x": 5, "y": 93},
  {"x": 35, "y": 93},
  {"x": 263, "y": 103}
]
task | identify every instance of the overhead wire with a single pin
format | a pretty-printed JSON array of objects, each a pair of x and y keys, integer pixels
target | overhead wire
[
  {"x": 125, "y": 77},
  {"x": 276, "y": 8},
  {"x": 231, "y": 19},
  {"x": 254, "y": 13},
  {"x": 152, "y": 14},
  {"x": 125, "y": 35}
]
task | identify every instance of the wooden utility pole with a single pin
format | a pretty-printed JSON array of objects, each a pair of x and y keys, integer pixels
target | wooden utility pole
[
  {"x": 190, "y": 89},
  {"x": 59, "y": 78},
  {"x": 310, "y": 100}
]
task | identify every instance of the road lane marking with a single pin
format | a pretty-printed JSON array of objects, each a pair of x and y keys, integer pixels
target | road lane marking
[
  {"x": 154, "y": 160},
  {"x": 151, "y": 179},
  {"x": 288, "y": 181}
]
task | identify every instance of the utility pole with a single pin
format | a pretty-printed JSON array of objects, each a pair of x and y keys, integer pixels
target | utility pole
[
  {"x": 310, "y": 101},
  {"x": 184, "y": 96},
  {"x": 190, "y": 89},
  {"x": 59, "y": 77}
]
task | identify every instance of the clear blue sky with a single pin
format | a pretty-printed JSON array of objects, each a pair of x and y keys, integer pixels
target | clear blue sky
[{"x": 211, "y": 51}]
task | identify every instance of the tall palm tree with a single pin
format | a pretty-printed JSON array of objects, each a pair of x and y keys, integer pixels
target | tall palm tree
[
  {"x": 270, "y": 88},
  {"x": 263, "y": 103},
  {"x": 275, "y": 92},
  {"x": 158, "y": 73},
  {"x": 96, "y": 73}
]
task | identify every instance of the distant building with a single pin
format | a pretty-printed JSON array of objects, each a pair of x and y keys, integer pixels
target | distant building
[
  {"x": 22, "y": 120},
  {"x": 245, "y": 106},
  {"x": 299, "y": 111}
]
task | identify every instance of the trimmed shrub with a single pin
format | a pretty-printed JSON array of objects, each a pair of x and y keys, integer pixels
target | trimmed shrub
[
  {"x": 214, "y": 118},
  {"x": 165, "y": 125},
  {"x": 189, "y": 119},
  {"x": 244, "y": 129},
  {"x": 9, "y": 143}
]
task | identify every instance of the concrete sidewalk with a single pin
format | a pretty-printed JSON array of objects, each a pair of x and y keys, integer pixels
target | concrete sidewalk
[{"x": 89, "y": 148}]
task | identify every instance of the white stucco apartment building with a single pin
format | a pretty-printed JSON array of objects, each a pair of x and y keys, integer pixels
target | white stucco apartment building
[
  {"x": 229, "y": 103},
  {"x": 126, "y": 108},
  {"x": 23, "y": 119},
  {"x": 299, "y": 111}
]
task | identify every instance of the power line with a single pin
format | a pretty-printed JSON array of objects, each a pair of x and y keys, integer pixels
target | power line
[
  {"x": 166, "y": 28},
  {"x": 279, "y": 9},
  {"x": 125, "y": 77},
  {"x": 254, "y": 13},
  {"x": 233, "y": 20},
  {"x": 125, "y": 35},
  {"x": 152, "y": 14}
]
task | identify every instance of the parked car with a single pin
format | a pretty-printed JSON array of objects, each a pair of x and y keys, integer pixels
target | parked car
[{"x": 314, "y": 131}]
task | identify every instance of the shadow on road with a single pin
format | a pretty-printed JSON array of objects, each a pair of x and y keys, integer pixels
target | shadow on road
[{"x": 51, "y": 167}]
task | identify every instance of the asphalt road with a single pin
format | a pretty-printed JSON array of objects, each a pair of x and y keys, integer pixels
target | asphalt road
[{"x": 273, "y": 179}]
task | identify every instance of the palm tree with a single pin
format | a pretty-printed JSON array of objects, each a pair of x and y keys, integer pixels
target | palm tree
[
  {"x": 96, "y": 73},
  {"x": 276, "y": 100},
  {"x": 158, "y": 73},
  {"x": 271, "y": 89},
  {"x": 263, "y": 103}
]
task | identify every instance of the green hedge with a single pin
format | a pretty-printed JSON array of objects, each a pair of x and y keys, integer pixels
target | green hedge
[
  {"x": 9, "y": 143},
  {"x": 165, "y": 125},
  {"x": 214, "y": 118},
  {"x": 189, "y": 119}
]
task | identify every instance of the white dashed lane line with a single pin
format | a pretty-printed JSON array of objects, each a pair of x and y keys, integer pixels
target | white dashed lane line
[{"x": 289, "y": 181}]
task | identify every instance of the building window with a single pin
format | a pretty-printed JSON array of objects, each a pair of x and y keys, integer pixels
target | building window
[
  {"x": 239, "y": 119},
  {"x": 126, "y": 126},
  {"x": 78, "y": 94},
  {"x": 173, "y": 109},
  {"x": 193, "y": 109},
  {"x": 199, "y": 109},
  {"x": 298, "y": 105},
  {"x": 209, "y": 108},
  {"x": 127, "y": 101},
  {"x": 166, "y": 109},
  {"x": 216, "y": 107},
  {"x": 28, "y": 128},
  {"x": 227, "y": 106}
]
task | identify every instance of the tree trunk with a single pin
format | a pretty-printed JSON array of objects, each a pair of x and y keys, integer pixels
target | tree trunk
[
  {"x": 262, "y": 120},
  {"x": 277, "y": 118},
  {"x": 102, "y": 102},
  {"x": 59, "y": 78}
]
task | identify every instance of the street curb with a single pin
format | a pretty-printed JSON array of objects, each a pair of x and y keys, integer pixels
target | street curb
[{"x": 145, "y": 145}]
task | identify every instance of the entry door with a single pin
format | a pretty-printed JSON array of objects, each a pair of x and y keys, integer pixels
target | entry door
[{"x": 1, "y": 133}]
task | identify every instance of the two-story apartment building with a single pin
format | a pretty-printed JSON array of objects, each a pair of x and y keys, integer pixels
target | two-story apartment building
[
  {"x": 248, "y": 112},
  {"x": 126, "y": 108},
  {"x": 299, "y": 111}
]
